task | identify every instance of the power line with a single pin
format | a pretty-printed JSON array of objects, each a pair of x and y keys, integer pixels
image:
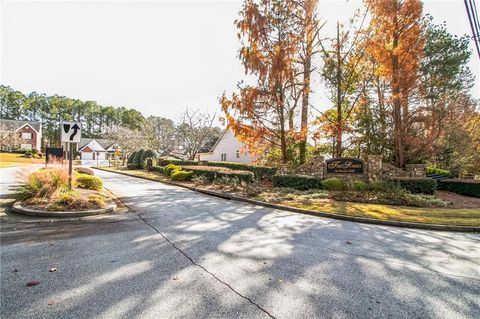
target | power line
[{"x": 474, "y": 23}]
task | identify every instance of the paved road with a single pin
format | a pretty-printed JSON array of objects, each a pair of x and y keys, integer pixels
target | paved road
[{"x": 181, "y": 254}]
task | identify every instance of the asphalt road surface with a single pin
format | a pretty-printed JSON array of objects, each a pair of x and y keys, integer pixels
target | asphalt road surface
[{"x": 181, "y": 254}]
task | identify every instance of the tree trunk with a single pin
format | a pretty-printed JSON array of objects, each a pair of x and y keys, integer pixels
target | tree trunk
[
  {"x": 309, "y": 8},
  {"x": 397, "y": 109},
  {"x": 339, "y": 126}
]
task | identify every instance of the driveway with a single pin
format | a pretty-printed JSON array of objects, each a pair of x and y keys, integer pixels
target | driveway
[{"x": 181, "y": 254}]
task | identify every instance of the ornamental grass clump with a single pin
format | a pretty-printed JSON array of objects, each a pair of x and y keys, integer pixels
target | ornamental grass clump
[{"x": 44, "y": 183}]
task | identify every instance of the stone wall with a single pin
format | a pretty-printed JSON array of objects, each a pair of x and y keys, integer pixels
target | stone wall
[
  {"x": 417, "y": 170},
  {"x": 315, "y": 167},
  {"x": 374, "y": 167}
]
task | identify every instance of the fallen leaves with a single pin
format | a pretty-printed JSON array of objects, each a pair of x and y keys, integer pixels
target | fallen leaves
[{"x": 33, "y": 283}]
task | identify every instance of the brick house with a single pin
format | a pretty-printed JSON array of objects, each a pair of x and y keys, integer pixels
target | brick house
[{"x": 17, "y": 135}]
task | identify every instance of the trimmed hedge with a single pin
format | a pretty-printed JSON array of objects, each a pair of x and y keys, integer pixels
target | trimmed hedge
[
  {"x": 131, "y": 157},
  {"x": 159, "y": 169},
  {"x": 260, "y": 172},
  {"x": 181, "y": 175},
  {"x": 467, "y": 187},
  {"x": 89, "y": 182},
  {"x": 165, "y": 162},
  {"x": 416, "y": 185},
  {"x": 212, "y": 173},
  {"x": 299, "y": 182},
  {"x": 132, "y": 166}
]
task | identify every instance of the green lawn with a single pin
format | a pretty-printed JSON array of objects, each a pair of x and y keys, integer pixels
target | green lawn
[{"x": 14, "y": 159}]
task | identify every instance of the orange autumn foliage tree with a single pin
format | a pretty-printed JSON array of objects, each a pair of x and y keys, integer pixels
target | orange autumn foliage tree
[
  {"x": 259, "y": 114},
  {"x": 397, "y": 46}
]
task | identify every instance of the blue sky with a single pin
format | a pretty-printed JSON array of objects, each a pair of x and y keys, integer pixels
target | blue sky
[{"x": 155, "y": 56}]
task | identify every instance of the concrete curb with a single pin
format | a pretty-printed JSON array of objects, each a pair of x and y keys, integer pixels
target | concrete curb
[
  {"x": 439, "y": 227},
  {"x": 44, "y": 213}
]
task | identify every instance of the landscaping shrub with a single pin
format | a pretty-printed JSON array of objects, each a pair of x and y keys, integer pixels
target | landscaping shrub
[
  {"x": 89, "y": 182},
  {"x": 467, "y": 187},
  {"x": 133, "y": 166},
  {"x": 146, "y": 155},
  {"x": 131, "y": 157},
  {"x": 170, "y": 168},
  {"x": 44, "y": 183},
  {"x": 159, "y": 169},
  {"x": 211, "y": 173},
  {"x": 334, "y": 184},
  {"x": 416, "y": 185},
  {"x": 165, "y": 162},
  {"x": 299, "y": 182},
  {"x": 438, "y": 171},
  {"x": 260, "y": 172},
  {"x": 67, "y": 198},
  {"x": 181, "y": 175},
  {"x": 138, "y": 157},
  {"x": 357, "y": 186},
  {"x": 84, "y": 170}
]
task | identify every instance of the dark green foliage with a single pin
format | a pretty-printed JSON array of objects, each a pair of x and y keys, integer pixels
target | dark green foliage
[
  {"x": 181, "y": 175},
  {"x": 416, "y": 185},
  {"x": 131, "y": 157},
  {"x": 359, "y": 186},
  {"x": 89, "y": 182},
  {"x": 334, "y": 184},
  {"x": 133, "y": 166},
  {"x": 146, "y": 155},
  {"x": 297, "y": 181},
  {"x": 138, "y": 157},
  {"x": 165, "y": 162},
  {"x": 260, "y": 172},
  {"x": 212, "y": 174},
  {"x": 159, "y": 169},
  {"x": 84, "y": 170},
  {"x": 467, "y": 187}
]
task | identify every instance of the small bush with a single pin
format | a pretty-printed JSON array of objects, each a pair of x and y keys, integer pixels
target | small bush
[
  {"x": 44, "y": 183},
  {"x": 84, "y": 170},
  {"x": 138, "y": 157},
  {"x": 132, "y": 166},
  {"x": 170, "y": 168},
  {"x": 334, "y": 184},
  {"x": 358, "y": 186},
  {"x": 131, "y": 157},
  {"x": 260, "y": 172},
  {"x": 299, "y": 182},
  {"x": 159, "y": 169},
  {"x": 467, "y": 187},
  {"x": 67, "y": 198},
  {"x": 416, "y": 185},
  {"x": 165, "y": 162},
  {"x": 438, "y": 171},
  {"x": 181, "y": 175},
  {"x": 97, "y": 200},
  {"x": 89, "y": 182}
]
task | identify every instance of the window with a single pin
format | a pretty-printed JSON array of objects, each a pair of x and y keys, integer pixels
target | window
[
  {"x": 237, "y": 154},
  {"x": 26, "y": 146},
  {"x": 223, "y": 157},
  {"x": 27, "y": 136}
]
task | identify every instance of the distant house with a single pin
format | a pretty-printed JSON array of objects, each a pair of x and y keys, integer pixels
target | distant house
[
  {"x": 226, "y": 149},
  {"x": 97, "y": 149},
  {"x": 20, "y": 135}
]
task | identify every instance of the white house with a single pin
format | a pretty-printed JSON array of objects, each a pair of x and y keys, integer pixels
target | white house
[
  {"x": 226, "y": 149},
  {"x": 96, "y": 150}
]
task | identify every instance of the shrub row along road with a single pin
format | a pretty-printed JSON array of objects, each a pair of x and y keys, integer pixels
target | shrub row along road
[{"x": 180, "y": 254}]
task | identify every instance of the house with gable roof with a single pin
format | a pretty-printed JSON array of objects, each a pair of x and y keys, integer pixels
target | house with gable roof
[
  {"x": 26, "y": 135},
  {"x": 97, "y": 149},
  {"x": 227, "y": 148}
]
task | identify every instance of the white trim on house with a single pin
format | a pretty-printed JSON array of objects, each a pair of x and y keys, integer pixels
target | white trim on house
[
  {"x": 227, "y": 149},
  {"x": 26, "y": 124}
]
